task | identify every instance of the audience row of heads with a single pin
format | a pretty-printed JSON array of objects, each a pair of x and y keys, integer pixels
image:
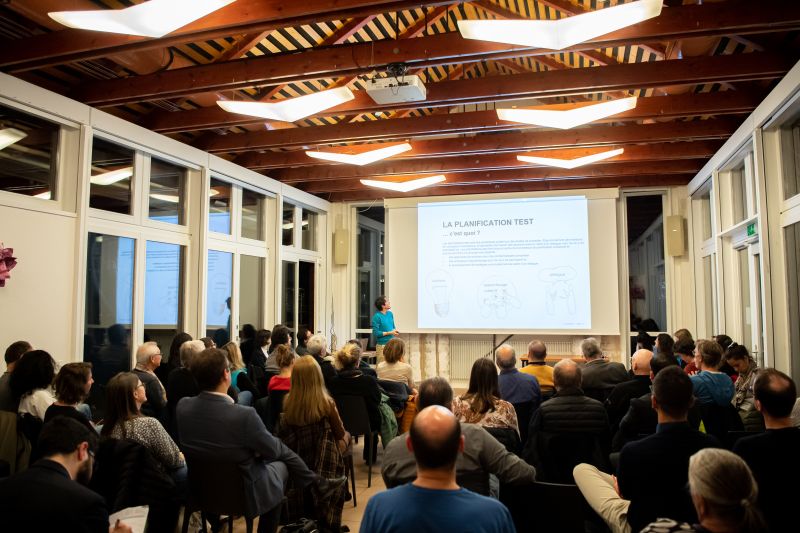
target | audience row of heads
[{"x": 36, "y": 369}]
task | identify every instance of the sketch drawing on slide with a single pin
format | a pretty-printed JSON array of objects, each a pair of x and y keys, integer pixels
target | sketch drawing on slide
[
  {"x": 440, "y": 285},
  {"x": 496, "y": 296},
  {"x": 559, "y": 293}
]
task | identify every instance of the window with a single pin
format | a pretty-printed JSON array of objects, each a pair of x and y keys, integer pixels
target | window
[
  {"x": 791, "y": 235},
  {"x": 709, "y": 295},
  {"x": 253, "y": 214},
  {"x": 111, "y": 177},
  {"x": 745, "y": 307},
  {"x": 28, "y": 154},
  {"x": 219, "y": 206},
  {"x": 369, "y": 260},
  {"x": 790, "y": 156},
  {"x": 219, "y": 290},
  {"x": 167, "y": 182},
  {"x": 251, "y": 290},
  {"x": 739, "y": 193},
  {"x": 309, "y": 230},
  {"x": 109, "y": 305},
  {"x": 647, "y": 280},
  {"x": 288, "y": 225},
  {"x": 162, "y": 292},
  {"x": 289, "y": 278}
]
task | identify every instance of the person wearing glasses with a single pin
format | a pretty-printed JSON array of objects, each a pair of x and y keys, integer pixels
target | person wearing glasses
[
  {"x": 148, "y": 358},
  {"x": 125, "y": 395}
]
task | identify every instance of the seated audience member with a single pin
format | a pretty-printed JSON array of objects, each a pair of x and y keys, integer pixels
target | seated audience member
[
  {"x": 772, "y": 455},
  {"x": 568, "y": 414},
  {"x": 311, "y": 427},
  {"x": 644, "y": 341},
  {"x": 174, "y": 359},
  {"x": 394, "y": 367},
  {"x": 600, "y": 375},
  {"x": 641, "y": 418},
  {"x": 148, "y": 359},
  {"x": 621, "y": 395},
  {"x": 514, "y": 386},
  {"x": 180, "y": 382},
  {"x": 52, "y": 495},
  {"x": 350, "y": 380},
  {"x": 125, "y": 395},
  {"x": 72, "y": 384},
  {"x": 114, "y": 357},
  {"x": 664, "y": 344},
  {"x": 684, "y": 349},
  {"x": 481, "y": 404},
  {"x": 363, "y": 363},
  {"x": 538, "y": 368},
  {"x": 208, "y": 342},
  {"x": 247, "y": 343},
  {"x": 724, "y": 494},
  {"x": 318, "y": 349},
  {"x": 482, "y": 455},
  {"x": 683, "y": 333},
  {"x": 746, "y": 367},
  {"x": 31, "y": 383},
  {"x": 213, "y": 428},
  {"x": 260, "y": 351},
  {"x": 283, "y": 380},
  {"x": 280, "y": 337},
  {"x": 653, "y": 471},
  {"x": 240, "y": 381},
  {"x": 711, "y": 387},
  {"x": 434, "y": 501},
  {"x": 303, "y": 334},
  {"x": 13, "y": 353},
  {"x": 725, "y": 342}
]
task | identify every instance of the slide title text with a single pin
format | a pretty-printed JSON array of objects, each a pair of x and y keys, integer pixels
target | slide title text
[{"x": 493, "y": 222}]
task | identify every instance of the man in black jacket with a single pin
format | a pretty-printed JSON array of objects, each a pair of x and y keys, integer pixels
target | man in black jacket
[
  {"x": 653, "y": 472},
  {"x": 567, "y": 429},
  {"x": 621, "y": 395},
  {"x": 50, "y": 495},
  {"x": 317, "y": 347}
]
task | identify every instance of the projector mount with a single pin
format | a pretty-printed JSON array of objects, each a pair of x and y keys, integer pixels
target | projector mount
[{"x": 397, "y": 70}]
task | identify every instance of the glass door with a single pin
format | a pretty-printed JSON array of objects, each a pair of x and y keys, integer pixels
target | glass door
[{"x": 298, "y": 288}]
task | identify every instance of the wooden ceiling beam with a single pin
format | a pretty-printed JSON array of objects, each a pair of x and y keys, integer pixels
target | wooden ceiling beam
[
  {"x": 355, "y": 59},
  {"x": 651, "y": 108},
  {"x": 241, "y": 17},
  {"x": 483, "y": 162},
  {"x": 594, "y": 136},
  {"x": 369, "y": 194},
  {"x": 681, "y": 166}
]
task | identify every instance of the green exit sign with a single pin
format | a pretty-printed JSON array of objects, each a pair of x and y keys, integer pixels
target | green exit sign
[{"x": 751, "y": 229}]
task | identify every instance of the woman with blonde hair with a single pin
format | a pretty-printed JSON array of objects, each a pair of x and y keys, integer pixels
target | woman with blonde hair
[
  {"x": 311, "y": 427},
  {"x": 393, "y": 367},
  {"x": 240, "y": 381},
  {"x": 724, "y": 494}
]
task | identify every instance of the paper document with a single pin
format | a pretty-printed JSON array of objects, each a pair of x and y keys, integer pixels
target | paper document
[{"x": 135, "y": 517}]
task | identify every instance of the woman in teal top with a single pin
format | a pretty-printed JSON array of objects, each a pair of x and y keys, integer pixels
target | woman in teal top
[{"x": 383, "y": 328}]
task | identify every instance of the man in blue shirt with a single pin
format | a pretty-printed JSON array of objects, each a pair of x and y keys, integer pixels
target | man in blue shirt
[
  {"x": 383, "y": 328},
  {"x": 515, "y": 387},
  {"x": 433, "y": 501},
  {"x": 711, "y": 387}
]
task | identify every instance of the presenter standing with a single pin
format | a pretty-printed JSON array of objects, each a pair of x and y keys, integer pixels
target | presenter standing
[{"x": 383, "y": 327}]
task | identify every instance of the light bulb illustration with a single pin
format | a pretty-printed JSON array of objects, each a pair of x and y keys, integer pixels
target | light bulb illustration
[{"x": 440, "y": 285}]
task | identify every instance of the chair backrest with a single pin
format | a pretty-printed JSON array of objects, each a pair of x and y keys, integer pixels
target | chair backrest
[
  {"x": 524, "y": 411},
  {"x": 275, "y": 408},
  {"x": 596, "y": 393},
  {"x": 216, "y": 487},
  {"x": 567, "y": 509},
  {"x": 559, "y": 453},
  {"x": 720, "y": 419},
  {"x": 353, "y": 411},
  {"x": 507, "y": 437}
]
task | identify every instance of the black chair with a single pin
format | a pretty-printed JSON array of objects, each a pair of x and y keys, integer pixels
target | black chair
[
  {"x": 270, "y": 408},
  {"x": 397, "y": 392},
  {"x": 718, "y": 420},
  {"x": 353, "y": 411},
  {"x": 507, "y": 437},
  {"x": 215, "y": 488},
  {"x": 558, "y": 453},
  {"x": 524, "y": 411},
  {"x": 599, "y": 394}
]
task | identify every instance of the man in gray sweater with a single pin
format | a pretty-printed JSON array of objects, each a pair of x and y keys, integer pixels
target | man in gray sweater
[{"x": 483, "y": 454}]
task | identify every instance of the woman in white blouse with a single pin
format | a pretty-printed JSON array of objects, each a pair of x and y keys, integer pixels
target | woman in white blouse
[
  {"x": 393, "y": 367},
  {"x": 31, "y": 383}
]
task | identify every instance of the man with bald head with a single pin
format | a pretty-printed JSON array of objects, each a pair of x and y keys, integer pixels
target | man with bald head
[
  {"x": 538, "y": 368},
  {"x": 434, "y": 501},
  {"x": 515, "y": 387},
  {"x": 148, "y": 358},
  {"x": 621, "y": 395}
]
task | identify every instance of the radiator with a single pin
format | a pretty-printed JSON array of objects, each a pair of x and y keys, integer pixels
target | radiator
[{"x": 464, "y": 352}]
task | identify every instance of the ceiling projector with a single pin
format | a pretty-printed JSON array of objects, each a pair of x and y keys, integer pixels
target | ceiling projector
[{"x": 396, "y": 88}]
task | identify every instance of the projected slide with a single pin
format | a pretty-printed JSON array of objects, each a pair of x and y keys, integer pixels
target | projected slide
[{"x": 510, "y": 264}]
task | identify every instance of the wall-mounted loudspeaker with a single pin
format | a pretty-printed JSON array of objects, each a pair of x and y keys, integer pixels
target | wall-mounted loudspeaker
[
  {"x": 341, "y": 246},
  {"x": 674, "y": 233}
]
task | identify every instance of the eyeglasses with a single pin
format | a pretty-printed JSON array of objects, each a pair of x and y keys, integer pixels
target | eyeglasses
[{"x": 91, "y": 453}]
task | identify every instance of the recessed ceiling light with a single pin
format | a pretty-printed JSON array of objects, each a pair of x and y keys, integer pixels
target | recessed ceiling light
[
  {"x": 9, "y": 136},
  {"x": 290, "y": 109},
  {"x": 113, "y": 176},
  {"x": 561, "y": 33},
  {"x": 405, "y": 186},
  {"x": 568, "y": 118},
  {"x": 155, "y": 18},
  {"x": 570, "y": 163},
  {"x": 364, "y": 158}
]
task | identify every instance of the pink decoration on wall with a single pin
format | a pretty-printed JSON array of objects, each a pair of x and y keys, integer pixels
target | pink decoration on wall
[{"x": 7, "y": 262}]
